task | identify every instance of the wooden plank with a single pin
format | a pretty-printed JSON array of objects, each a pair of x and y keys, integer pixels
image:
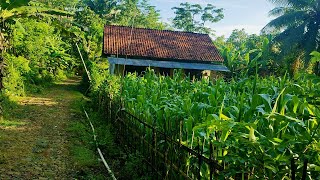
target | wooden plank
[
  {"x": 112, "y": 68},
  {"x": 168, "y": 64}
]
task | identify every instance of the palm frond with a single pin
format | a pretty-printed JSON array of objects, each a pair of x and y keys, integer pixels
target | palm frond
[
  {"x": 292, "y": 3},
  {"x": 280, "y": 2},
  {"x": 312, "y": 34},
  {"x": 292, "y": 35},
  {"x": 31, "y": 11},
  {"x": 301, "y": 4},
  {"x": 292, "y": 40},
  {"x": 279, "y": 11},
  {"x": 292, "y": 19}
]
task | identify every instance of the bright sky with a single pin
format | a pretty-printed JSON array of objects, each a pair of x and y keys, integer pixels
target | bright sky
[{"x": 252, "y": 15}]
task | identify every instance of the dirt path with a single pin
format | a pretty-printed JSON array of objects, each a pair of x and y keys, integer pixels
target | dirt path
[{"x": 34, "y": 142}]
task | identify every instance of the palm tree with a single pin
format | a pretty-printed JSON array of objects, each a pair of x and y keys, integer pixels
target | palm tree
[{"x": 298, "y": 24}]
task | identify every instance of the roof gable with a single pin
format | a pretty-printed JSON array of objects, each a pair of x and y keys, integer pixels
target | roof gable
[{"x": 159, "y": 44}]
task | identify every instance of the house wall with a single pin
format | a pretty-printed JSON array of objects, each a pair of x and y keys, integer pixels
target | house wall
[
  {"x": 195, "y": 74},
  {"x": 212, "y": 75},
  {"x": 125, "y": 69}
]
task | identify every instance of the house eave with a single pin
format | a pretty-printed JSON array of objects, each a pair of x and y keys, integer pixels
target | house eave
[{"x": 168, "y": 64}]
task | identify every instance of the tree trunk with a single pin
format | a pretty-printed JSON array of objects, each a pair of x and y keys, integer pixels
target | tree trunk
[
  {"x": 1, "y": 85},
  {"x": 317, "y": 69},
  {"x": 1, "y": 72}
]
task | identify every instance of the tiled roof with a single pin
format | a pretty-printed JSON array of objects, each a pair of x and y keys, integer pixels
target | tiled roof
[{"x": 159, "y": 44}]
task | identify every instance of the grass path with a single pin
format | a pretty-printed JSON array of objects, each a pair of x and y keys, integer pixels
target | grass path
[{"x": 34, "y": 139}]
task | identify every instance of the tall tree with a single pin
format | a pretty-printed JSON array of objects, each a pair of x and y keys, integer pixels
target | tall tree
[
  {"x": 11, "y": 11},
  {"x": 149, "y": 17},
  {"x": 67, "y": 5},
  {"x": 299, "y": 24},
  {"x": 102, "y": 7},
  {"x": 90, "y": 32},
  {"x": 193, "y": 17},
  {"x": 244, "y": 53}
]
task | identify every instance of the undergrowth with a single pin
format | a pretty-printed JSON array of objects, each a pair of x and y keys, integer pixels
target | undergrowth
[
  {"x": 82, "y": 149},
  {"x": 125, "y": 164}
]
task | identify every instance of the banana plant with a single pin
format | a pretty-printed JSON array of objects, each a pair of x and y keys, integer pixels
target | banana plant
[
  {"x": 315, "y": 62},
  {"x": 11, "y": 10}
]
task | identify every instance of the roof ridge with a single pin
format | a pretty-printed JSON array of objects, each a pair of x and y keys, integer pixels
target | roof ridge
[{"x": 168, "y": 30}]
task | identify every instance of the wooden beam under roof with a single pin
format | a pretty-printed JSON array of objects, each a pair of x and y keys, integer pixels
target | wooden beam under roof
[{"x": 167, "y": 64}]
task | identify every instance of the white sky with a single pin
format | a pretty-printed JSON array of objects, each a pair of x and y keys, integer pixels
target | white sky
[{"x": 252, "y": 15}]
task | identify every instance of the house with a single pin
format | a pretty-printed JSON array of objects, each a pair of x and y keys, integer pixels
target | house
[{"x": 134, "y": 49}]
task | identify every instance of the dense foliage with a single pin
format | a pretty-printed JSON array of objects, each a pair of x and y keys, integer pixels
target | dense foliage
[
  {"x": 258, "y": 126},
  {"x": 193, "y": 17},
  {"x": 298, "y": 24},
  {"x": 39, "y": 38},
  {"x": 260, "y": 120},
  {"x": 245, "y": 54}
]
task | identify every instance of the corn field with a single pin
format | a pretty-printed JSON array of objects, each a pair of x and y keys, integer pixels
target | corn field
[{"x": 261, "y": 128}]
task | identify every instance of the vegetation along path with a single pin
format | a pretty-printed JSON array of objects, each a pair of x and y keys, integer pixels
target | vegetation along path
[{"x": 35, "y": 139}]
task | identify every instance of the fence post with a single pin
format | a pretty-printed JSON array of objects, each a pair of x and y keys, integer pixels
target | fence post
[
  {"x": 155, "y": 164},
  {"x": 166, "y": 147},
  {"x": 2, "y": 65},
  {"x": 200, "y": 151},
  {"x": 212, "y": 170},
  {"x": 152, "y": 153},
  {"x": 304, "y": 172},
  {"x": 142, "y": 139},
  {"x": 180, "y": 154},
  {"x": 293, "y": 169}
]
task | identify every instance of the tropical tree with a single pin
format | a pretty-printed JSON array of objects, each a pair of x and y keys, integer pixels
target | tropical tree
[
  {"x": 315, "y": 62},
  {"x": 102, "y": 7},
  {"x": 244, "y": 53},
  {"x": 88, "y": 28},
  {"x": 298, "y": 23},
  {"x": 193, "y": 17},
  {"x": 11, "y": 13},
  {"x": 10, "y": 10}
]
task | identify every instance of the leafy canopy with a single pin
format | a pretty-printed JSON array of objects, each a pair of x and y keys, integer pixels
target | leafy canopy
[
  {"x": 193, "y": 17},
  {"x": 10, "y": 4},
  {"x": 298, "y": 23}
]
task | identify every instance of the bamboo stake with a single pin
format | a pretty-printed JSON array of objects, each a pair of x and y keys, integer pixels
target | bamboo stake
[
  {"x": 99, "y": 151},
  {"x": 84, "y": 64}
]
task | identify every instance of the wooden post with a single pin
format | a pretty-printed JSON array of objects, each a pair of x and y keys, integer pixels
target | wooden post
[
  {"x": 155, "y": 148},
  {"x": 112, "y": 68},
  {"x": 1, "y": 85},
  {"x": 84, "y": 64},
  {"x": 293, "y": 169},
  {"x": 166, "y": 148},
  {"x": 199, "y": 159},
  {"x": 317, "y": 68},
  {"x": 304, "y": 170},
  {"x": 211, "y": 165},
  {"x": 1, "y": 72}
]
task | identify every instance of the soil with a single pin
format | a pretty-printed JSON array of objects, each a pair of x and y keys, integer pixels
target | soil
[{"x": 34, "y": 141}]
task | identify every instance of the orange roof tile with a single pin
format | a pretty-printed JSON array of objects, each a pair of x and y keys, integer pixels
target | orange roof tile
[{"x": 159, "y": 44}]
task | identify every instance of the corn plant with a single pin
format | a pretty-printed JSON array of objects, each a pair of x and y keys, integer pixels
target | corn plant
[{"x": 259, "y": 127}]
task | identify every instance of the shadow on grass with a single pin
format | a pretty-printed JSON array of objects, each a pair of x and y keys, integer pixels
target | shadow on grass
[
  {"x": 18, "y": 111},
  {"x": 36, "y": 127}
]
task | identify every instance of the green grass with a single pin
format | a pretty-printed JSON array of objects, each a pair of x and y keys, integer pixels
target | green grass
[
  {"x": 84, "y": 156},
  {"x": 10, "y": 123},
  {"x": 83, "y": 149},
  {"x": 30, "y": 118}
]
